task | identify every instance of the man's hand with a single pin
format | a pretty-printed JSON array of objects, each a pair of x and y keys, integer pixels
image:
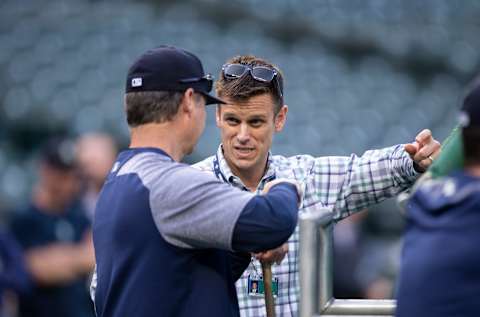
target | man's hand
[
  {"x": 275, "y": 255},
  {"x": 61, "y": 263},
  {"x": 424, "y": 150},
  {"x": 270, "y": 184}
]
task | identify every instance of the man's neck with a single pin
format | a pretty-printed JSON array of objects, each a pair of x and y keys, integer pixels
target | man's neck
[
  {"x": 46, "y": 201},
  {"x": 473, "y": 170},
  {"x": 250, "y": 177},
  {"x": 158, "y": 135}
]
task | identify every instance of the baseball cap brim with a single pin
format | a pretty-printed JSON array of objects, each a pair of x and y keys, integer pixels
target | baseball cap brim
[{"x": 209, "y": 99}]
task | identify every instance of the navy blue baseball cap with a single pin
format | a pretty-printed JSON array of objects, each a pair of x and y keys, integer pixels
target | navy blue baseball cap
[
  {"x": 169, "y": 68},
  {"x": 470, "y": 112},
  {"x": 59, "y": 153}
]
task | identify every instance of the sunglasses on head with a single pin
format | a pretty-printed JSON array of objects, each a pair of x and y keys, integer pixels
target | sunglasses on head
[{"x": 263, "y": 74}]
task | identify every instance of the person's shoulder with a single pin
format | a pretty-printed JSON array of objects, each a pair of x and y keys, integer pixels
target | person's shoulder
[
  {"x": 145, "y": 160},
  {"x": 26, "y": 213},
  {"x": 25, "y": 220},
  {"x": 446, "y": 186},
  {"x": 178, "y": 174},
  {"x": 147, "y": 165},
  {"x": 447, "y": 190},
  {"x": 435, "y": 184},
  {"x": 205, "y": 165}
]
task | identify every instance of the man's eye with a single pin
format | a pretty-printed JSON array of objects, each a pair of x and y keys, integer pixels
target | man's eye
[
  {"x": 231, "y": 120},
  {"x": 256, "y": 123}
]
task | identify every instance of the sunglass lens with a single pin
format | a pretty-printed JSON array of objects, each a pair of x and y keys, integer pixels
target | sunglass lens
[
  {"x": 234, "y": 70},
  {"x": 263, "y": 73},
  {"x": 209, "y": 84}
]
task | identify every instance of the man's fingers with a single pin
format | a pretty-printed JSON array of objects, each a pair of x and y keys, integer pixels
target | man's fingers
[
  {"x": 424, "y": 150},
  {"x": 424, "y": 137},
  {"x": 411, "y": 148},
  {"x": 285, "y": 251},
  {"x": 270, "y": 184},
  {"x": 430, "y": 149},
  {"x": 268, "y": 257},
  {"x": 426, "y": 155},
  {"x": 275, "y": 255}
]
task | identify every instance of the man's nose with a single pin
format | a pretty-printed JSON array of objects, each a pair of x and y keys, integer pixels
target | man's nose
[{"x": 243, "y": 134}]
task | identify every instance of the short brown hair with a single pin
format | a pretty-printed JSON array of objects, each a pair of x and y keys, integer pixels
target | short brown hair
[
  {"x": 246, "y": 87},
  {"x": 471, "y": 130},
  {"x": 471, "y": 145},
  {"x": 151, "y": 106}
]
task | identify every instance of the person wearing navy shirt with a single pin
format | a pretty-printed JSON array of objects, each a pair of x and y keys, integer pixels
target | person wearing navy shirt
[
  {"x": 55, "y": 234},
  {"x": 440, "y": 264},
  {"x": 13, "y": 273},
  {"x": 168, "y": 237}
]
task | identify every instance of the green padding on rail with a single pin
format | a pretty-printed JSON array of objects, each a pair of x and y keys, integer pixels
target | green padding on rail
[{"x": 451, "y": 157}]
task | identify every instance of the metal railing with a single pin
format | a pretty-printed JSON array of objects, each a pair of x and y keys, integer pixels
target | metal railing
[{"x": 316, "y": 274}]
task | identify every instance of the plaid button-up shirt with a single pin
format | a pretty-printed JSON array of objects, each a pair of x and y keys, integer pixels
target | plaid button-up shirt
[{"x": 343, "y": 184}]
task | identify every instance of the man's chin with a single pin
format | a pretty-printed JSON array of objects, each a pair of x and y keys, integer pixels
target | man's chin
[
  {"x": 190, "y": 151},
  {"x": 244, "y": 164},
  {"x": 241, "y": 162}
]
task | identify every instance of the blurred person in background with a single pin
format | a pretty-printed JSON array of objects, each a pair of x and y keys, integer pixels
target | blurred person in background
[
  {"x": 13, "y": 274},
  {"x": 253, "y": 91},
  {"x": 55, "y": 235},
  {"x": 367, "y": 252},
  {"x": 95, "y": 155},
  {"x": 347, "y": 241},
  {"x": 440, "y": 264}
]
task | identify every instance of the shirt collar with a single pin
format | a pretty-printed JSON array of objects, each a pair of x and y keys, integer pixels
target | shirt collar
[
  {"x": 138, "y": 150},
  {"x": 223, "y": 170}
]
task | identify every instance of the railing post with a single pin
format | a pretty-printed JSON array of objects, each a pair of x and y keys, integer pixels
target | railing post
[{"x": 316, "y": 273}]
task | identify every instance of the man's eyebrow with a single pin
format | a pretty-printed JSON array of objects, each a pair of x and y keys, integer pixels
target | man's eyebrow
[{"x": 257, "y": 116}]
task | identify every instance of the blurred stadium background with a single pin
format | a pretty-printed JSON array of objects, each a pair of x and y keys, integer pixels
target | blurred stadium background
[{"x": 359, "y": 74}]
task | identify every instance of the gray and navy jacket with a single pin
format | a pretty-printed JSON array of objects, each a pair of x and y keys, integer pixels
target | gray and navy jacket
[{"x": 164, "y": 234}]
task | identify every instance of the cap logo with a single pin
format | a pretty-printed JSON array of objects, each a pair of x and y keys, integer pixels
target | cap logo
[
  {"x": 464, "y": 119},
  {"x": 137, "y": 82}
]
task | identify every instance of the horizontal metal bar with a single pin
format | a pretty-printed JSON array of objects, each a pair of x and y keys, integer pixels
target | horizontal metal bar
[
  {"x": 352, "y": 315},
  {"x": 360, "y": 307}
]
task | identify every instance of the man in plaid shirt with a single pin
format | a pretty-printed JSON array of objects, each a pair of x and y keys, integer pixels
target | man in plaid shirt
[{"x": 254, "y": 111}]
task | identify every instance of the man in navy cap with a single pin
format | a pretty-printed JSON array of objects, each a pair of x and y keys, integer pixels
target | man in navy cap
[
  {"x": 440, "y": 266},
  {"x": 165, "y": 233}
]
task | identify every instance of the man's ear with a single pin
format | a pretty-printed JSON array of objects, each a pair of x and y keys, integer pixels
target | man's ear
[
  {"x": 188, "y": 101},
  {"x": 281, "y": 118},
  {"x": 218, "y": 114}
]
